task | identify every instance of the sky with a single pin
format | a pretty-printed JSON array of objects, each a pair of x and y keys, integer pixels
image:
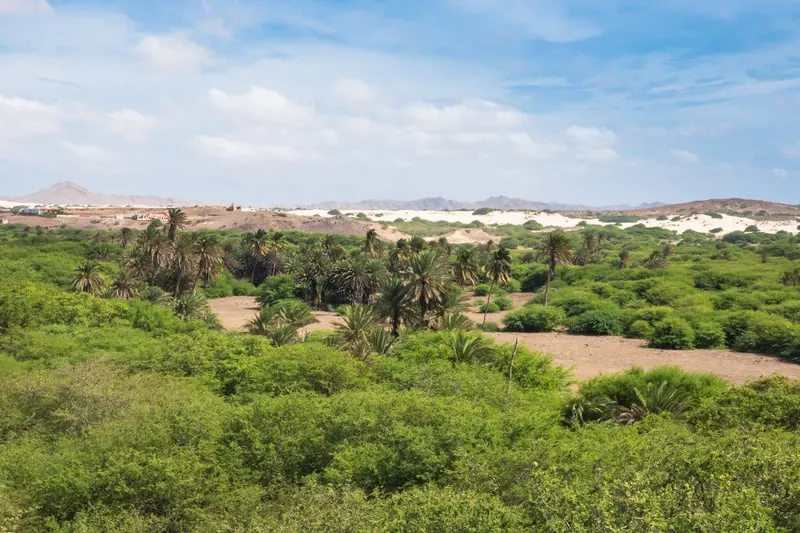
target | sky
[{"x": 296, "y": 101}]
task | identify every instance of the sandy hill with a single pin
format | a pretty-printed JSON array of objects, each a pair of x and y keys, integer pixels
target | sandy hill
[
  {"x": 730, "y": 206},
  {"x": 68, "y": 193}
]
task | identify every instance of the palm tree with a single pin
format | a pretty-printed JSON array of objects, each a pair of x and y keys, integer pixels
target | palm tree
[
  {"x": 498, "y": 270},
  {"x": 427, "y": 276},
  {"x": 125, "y": 285},
  {"x": 189, "y": 306},
  {"x": 125, "y": 237},
  {"x": 371, "y": 243},
  {"x": 393, "y": 302},
  {"x": 656, "y": 260},
  {"x": 209, "y": 258},
  {"x": 257, "y": 247},
  {"x": 276, "y": 243},
  {"x": 311, "y": 267},
  {"x": 176, "y": 219},
  {"x": 444, "y": 245},
  {"x": 152, "y": 246},
  {"x": 465, "y": 268},
  {"x": 88, "y": 278},
  {"x": 354, "y": 334},
  {"x": 556, "y": 250},
  {"x": 184, "y": 260},
  {"x": 624, "y": 259},
  {"x": 356, "y": 280},
  {"x": 468, "y": 348},
  {"x": 591, "y": 243}
]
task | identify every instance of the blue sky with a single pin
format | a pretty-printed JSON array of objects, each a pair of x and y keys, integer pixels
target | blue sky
[{"x": 291, "y": 102}]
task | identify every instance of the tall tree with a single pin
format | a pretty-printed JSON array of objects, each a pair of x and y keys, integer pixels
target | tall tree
[
  {"x": 209, "y": 258},
  {"x": 125, "y": 237},
  {"x": 556, "y": 250},
  {"x": 356, "y": 279},
  {"x": 498, "y": 270},
  {"x": 184, "y": 261},
  {"x": 125, "y": 284},
  {"x": 311, "y": 267},
  {"x": 393, "y": 303},
  {"x": 88, "y": 278},
  {"x": 371, "y": 243},
  {"x": 276, "y": 244},
  {"x": 427, "y": 276},
  {"x": 465, "y": 267},
  {"x": 176, "y": 220},
  {"x": 257, "y": 246}
]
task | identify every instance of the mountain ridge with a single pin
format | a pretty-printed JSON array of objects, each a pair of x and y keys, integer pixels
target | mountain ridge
[
  {"x": 69, "y": 193},
  {"x": 439, "y": 203}
]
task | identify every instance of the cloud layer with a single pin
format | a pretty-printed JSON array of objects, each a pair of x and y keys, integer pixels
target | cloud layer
[{"x": 307, "y": 101}]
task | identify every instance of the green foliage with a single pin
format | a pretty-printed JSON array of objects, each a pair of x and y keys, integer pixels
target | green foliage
[
  {"x": 600, "y": 322},
  {"x": 535, "y": 318},
  {"x": 483, "y": 211},
  {"x": 673, "y": 333},
  {"x": 277, "y": 288},
  {"x": 617, "y": 218}
]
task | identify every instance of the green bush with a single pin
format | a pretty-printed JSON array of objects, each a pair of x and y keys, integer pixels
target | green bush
[
  {"x": 489, "y": 327},
  {"x": 672, "y": 334},
  {"x": 504, "y": 303},
  {"x": 640, "y": 329},
  {"x": 490, "y": 307},
  {"x": 482, "y": 211},
  {"x": 603, "y": 322},
  {"x": 513, "y": 285},
  {"x": 481, "y": 290},
  {"x": 709, "y": 335},
  {"x": 535, "y": 318},
  {"x": 277, "y": 288}
]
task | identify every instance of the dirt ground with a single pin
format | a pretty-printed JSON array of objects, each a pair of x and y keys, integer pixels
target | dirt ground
[
  {"x": 587, "y": 357},
  {"x": 211, "y": 217},
  {"x": 519, "y": 299},
  {"x": 237, "y": 311}
]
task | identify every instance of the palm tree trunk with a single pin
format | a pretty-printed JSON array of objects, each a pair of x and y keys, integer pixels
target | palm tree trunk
[
  {"x": 178, "y": 283},
  {"x": 488, "y": 301},
  {"x": 547, "y": 286}
]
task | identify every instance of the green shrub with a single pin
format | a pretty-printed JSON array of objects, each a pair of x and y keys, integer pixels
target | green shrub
[
  {"x": 481, "y": 290},
  {"x": 504, "y": 303},
  {"x": 640, "y": 329},
  {"x": 532, "y": 225},
  {"x": 712, "y": 214},
  {"x": 709, "y": 335},
  {"x": 513, "y": 285},
  {"x": 662, "y": 217},
  {"x": 489, "y": 327},
  {"x": 751, "y": 229},
  {"x": 535, "y": 318},
  {"x": 716, "y": 230},
  {"x": 672, "y": 334},
  {"x": 602, "y": 322},
  {"x": 335, "y": 213},
  {"x": 276, "y": 288},
  {"x": 482, "y": 211},
  {"x": 490, "y": 307}
]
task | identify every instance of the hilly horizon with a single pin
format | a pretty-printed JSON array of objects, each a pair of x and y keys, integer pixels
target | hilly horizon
[{"x": 69, "y": 193}]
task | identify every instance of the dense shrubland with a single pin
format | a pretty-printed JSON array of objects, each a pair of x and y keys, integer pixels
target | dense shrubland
[{"x": 127, "y": 409}]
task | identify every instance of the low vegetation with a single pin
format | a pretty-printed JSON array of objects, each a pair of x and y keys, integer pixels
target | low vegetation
[{"x": 126, "y": 408}]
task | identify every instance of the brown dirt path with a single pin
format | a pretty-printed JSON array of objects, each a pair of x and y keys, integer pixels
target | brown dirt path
[{"x": 586, "y": 356}]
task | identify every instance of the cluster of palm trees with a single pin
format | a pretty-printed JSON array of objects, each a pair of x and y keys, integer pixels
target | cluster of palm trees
[{"x": 159, "y": 256}]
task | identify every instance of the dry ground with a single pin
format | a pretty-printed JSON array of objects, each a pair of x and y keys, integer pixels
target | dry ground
[
  {"x": 212, "y": 217},
  {"x": 586, "y": 356}
]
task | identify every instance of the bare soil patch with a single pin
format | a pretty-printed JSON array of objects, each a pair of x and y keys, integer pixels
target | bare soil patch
[
  {"x": 235, "y": 312},
  {"x": 586, "y": 356}
]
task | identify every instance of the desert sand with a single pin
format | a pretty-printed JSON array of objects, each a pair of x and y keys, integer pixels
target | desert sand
[{"x": 700, "y": 223}]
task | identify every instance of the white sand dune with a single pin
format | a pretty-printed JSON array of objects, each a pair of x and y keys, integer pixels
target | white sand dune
[{"x": 699, "y": 223}]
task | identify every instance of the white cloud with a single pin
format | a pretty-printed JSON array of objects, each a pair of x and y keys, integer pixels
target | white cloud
[
  {"x": 171, "y": 51},
  {"x": 259, "y": 103},
  {"x": 684, "y": 156},
  {"x": 224, "y": 148},
  {"x": 21, "y": 118},
  {"x": 471, "y": 114},
  {"x": 87, "y": 153},
  {"x": 591, "y": 136},
  {"x": 780, "y": 172},
  {"x": 129, "y": 124},
  {"x": 24, "y": 7},
  {"x": 353, "y": 92}
]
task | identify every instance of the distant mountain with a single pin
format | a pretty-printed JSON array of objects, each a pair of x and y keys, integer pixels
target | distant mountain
[
  {"x": 68, "y": 193},
  {"x": 495, "y": 202}
]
